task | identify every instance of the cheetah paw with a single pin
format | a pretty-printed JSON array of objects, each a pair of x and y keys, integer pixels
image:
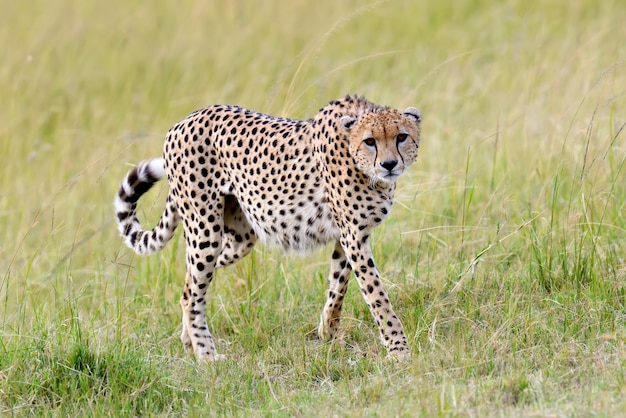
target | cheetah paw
[
  {"x": 211, "y": 358},
  {"x": 399, "y": 355}
]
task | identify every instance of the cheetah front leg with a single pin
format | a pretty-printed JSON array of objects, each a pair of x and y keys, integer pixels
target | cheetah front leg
[
  {"x": 391, "y": 330},
  {"x": 337, "y": 285}
]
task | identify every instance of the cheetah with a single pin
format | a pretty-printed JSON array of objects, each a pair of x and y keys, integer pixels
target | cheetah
[{"x": 236, "y": 176}]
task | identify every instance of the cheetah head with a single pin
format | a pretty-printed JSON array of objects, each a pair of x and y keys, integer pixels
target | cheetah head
[{"x": 384, "y": 143}]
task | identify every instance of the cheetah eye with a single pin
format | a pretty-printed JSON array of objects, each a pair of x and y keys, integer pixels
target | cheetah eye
[
  {"x": 401, "y": 138},
  {"x": 370, "y": 142}
]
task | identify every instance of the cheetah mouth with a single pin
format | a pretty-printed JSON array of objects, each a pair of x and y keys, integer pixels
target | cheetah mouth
[
  {"x": 384, "y": 178},
  {"x": 391, "y": 176}
]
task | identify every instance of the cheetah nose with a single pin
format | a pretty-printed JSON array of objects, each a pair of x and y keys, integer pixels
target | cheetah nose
[{"x": 389, "y": 165}]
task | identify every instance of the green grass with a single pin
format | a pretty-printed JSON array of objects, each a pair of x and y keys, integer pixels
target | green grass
[{"x": 504, "y": 255}]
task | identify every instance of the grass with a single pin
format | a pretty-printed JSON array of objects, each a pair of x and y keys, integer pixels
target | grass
[{"x": 504, "y": 254}]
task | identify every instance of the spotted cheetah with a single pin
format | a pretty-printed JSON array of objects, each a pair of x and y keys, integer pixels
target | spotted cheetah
[{"x": 237, "y": 176}]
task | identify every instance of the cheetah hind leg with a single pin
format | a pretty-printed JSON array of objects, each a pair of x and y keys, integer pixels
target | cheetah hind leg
[
  {"x": 238, "y": 239},
  {"x": 205, "y": 350},
  {"x": 184, "y": 335}
]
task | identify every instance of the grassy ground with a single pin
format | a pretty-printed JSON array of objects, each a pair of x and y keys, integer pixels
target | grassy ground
[{"x": 504, "y": 255}]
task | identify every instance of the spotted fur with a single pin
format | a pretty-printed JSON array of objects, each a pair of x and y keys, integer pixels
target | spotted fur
[{"x": 236, "y": 176}]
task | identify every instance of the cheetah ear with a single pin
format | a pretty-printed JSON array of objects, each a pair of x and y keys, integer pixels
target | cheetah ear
[
  {"x": 347, "y": 122},
  {"x": 414, "y": 113}
]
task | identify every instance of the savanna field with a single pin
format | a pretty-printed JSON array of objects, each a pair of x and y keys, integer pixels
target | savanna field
[{"x": 504, "y": 255}]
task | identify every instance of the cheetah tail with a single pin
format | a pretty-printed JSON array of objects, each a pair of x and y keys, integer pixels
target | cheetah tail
[{"x": 137, "y": 182}]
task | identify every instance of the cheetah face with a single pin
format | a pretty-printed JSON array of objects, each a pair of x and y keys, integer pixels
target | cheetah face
[{"x": 384, "y": 143}]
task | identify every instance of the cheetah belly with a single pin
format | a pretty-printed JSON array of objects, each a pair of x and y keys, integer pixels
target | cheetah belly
[{"x": 298, "y": 225}]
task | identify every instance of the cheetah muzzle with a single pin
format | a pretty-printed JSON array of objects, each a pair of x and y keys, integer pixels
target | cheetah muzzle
[{"x": 237, "y": 176}]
